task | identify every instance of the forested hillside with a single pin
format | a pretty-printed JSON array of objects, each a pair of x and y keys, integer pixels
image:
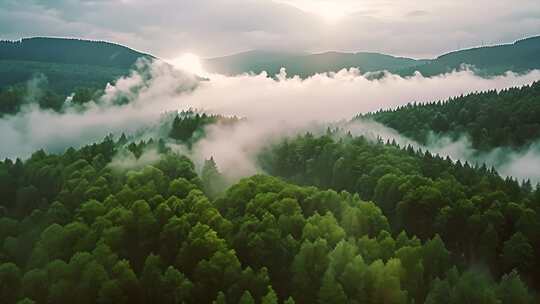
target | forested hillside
[
  {"x": 67, "y": 64},
  {"x": 509, "y": 118},
  {"x": 38, "y": 91},
  {"x": 424, "y": 195},
  {"x": 83, "y": 227},
  {"x": 70, "y": 51},
  {"x": 334, "y": 219},
  {"x": 310, "y": 168},
  {"x": 61, "y": 78},
  {"x": 305, "y": 65},
  {"x": 521, "y": 56},
  {"x": 188, "y": 127}
]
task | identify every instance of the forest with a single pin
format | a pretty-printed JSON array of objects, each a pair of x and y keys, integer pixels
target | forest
[
  {"x": 337, "y": 219},
  {"x": 519, "y": 57},
  {"x": 142, "y": 216},
  {"x": 38, "y": 93},
  {"x": 70, "y": 51},
  {"x": 67, "y": 64},
  {"x": 491, "y": 119}
]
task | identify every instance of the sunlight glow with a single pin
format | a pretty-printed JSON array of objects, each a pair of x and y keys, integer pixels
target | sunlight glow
[
  {"x": 330, "y": 11},
  {"x": 188, "y": 62}
]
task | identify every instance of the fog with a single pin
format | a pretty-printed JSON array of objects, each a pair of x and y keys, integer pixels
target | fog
[
  {"x": 274, "y": 107},
  {"x": 125, "y": 160},
  {"x": 523, "y": 164},
  {"x": 151, "y": 89}
]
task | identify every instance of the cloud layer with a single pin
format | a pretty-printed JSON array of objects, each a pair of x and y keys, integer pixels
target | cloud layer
[{"x": 273, "y": 106}]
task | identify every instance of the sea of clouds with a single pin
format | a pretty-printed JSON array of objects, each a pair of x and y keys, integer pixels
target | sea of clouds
[{"x": 274, "y": 106}]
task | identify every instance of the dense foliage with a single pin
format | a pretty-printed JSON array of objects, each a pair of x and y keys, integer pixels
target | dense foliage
[
  {"x": 509, "y": 118},
  {"x": 38, "y": 93},
  {"x": 482, "y": 218},
  {"x": 189, "y": 126},
  {"x": 340, "y": 219},
  {"x": 66, "y": 63},
  {"x": 62, "y": 78},
  {"x": 78, "y": 227},
  {"x": 12, "y": 99}
]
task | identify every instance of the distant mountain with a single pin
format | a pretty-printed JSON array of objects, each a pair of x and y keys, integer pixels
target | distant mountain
[
  {"x": 66, "y": 63},
  {"x": 305, "y": 64},
  {"x": 521, "y": 56},
  {"x": 71, "y": 51}
]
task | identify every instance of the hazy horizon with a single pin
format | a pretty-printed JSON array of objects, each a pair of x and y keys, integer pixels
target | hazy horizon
[{"x": 423, "y": 29}]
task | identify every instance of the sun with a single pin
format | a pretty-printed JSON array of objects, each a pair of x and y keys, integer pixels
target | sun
[
  {"x": 188, "y": 62},
  {"x": 329, "y": 11}
]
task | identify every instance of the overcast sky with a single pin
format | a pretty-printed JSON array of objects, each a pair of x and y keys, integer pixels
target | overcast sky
[{"x": 167, "y": 28}]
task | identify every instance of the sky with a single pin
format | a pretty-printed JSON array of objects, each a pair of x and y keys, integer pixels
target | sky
[{"x": 209, "y": 28}]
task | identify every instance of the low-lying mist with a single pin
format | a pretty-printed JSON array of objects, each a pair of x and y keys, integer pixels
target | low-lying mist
[
  {"x": 274, "y": 107},
  {"x": 523, "y": 164}
]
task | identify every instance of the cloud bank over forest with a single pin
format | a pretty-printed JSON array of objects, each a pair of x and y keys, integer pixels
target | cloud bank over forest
[{"x": 274, "y": 107}]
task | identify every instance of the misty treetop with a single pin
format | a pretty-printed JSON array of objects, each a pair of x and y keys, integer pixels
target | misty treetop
[
  {"x": 62, "y": 78},
  {"x": 189, "y": 126},
  {"x": 509, "y": 118},
  {"x": 67, "y": 66},
  {"x": 363, "y": 222},
  {"x": 424, "y": 195},
  {"x": 37, "y": 92},
  {"x": 67, "y": 63}
]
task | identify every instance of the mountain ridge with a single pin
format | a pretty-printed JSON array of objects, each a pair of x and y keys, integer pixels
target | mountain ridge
[
  {"x": 304, "y": 64},
  {"x": 519, "y": 56},
  {"x": 71, "y": 51},
  {"x": 67, "y": 63}
]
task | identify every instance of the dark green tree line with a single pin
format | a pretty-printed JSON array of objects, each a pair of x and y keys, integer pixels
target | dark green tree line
[
  {"x": 509, "y": 118},
  {"x": 482, "y": 218}
]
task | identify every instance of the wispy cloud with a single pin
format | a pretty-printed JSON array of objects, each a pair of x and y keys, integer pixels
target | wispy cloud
[{"x": 273, "y": 106}]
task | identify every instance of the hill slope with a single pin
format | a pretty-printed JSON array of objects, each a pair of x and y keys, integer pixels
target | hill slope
[
  {"x": 75, "y": 225},
  {"x": 71, "y": 51},
  {"x": 521, "y": 56},
  {"x": 66, "y": 63},
  {"x": 491, "y": 119},
  {"x": 305, "y": 64}
]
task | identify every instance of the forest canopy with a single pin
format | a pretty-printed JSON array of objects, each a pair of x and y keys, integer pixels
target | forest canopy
[
  {"x": 352, "y": 221},
  {"x": 149, "y": 216},
  {"x": 491, "y": 119}
]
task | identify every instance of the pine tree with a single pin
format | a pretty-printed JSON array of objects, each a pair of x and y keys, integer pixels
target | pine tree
[
  {"x": 270, "y": 297},
  {"x": 246, "y": 298},
  {"x": 331, "y": 291},
  {"x": 213, "y": 181}
]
